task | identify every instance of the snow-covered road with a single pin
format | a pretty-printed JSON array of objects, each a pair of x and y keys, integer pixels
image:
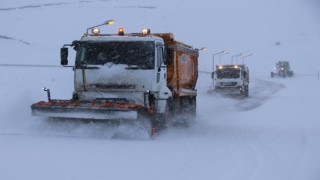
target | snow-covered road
[
  {"x": 273, "y": 134},
  {"x": 262, "y": 137}
]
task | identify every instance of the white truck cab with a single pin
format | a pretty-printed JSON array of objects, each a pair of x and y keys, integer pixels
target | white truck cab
[
  {"x": 120, "y": 67},
  {"x": 231, "y": 79}
]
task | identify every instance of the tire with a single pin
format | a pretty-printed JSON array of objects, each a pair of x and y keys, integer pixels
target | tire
[
  {"x": 246, "y": 91},
  {"x": 272, "y": 74},
  {"x": 160, "y": 121},
  {"x": 290, "y": 74}
]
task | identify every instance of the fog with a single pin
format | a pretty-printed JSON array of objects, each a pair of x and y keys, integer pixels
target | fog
[{"x": 272, "y": 134}]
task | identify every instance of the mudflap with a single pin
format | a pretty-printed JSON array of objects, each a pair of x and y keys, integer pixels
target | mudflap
[{"x": 157, "y": 124}]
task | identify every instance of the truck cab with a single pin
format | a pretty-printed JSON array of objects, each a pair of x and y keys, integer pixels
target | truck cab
[
  {"x": 120, "y": 67},
  {"x": 282, "y": 69},
  {"x": 231, "y": 80}
]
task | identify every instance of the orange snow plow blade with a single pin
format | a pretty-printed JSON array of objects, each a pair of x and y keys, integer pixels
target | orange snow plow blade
[{"x": 96, "y": 109}]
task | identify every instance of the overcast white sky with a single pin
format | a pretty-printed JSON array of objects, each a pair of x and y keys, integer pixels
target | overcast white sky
[{"x": 250, "y": 26}]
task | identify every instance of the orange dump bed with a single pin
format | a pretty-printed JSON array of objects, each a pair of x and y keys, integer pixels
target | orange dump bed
[{"x": 182, "y": 73}]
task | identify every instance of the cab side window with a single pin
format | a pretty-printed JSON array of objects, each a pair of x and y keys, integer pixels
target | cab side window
[{"x": 159, "y": 56}]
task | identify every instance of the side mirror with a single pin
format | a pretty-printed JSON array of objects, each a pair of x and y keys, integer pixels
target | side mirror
[
  {"x": 168, "y": 56},
  {"x": 64, "y": 56}
]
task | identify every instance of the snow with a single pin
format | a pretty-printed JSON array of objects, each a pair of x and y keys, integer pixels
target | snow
[{"x": 273, "y": 134}]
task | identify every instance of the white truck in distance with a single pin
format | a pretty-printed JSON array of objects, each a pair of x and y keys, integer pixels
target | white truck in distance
[
  {"x": 124, "y": 77},
  {"x": 231, "y": 80}
]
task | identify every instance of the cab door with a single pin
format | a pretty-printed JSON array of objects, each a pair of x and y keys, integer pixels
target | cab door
[
  {"x": 161, "y": 79},
  {"x": 161, "y": 69}
]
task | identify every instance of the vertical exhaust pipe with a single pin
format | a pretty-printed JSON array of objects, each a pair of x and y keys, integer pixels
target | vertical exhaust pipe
[{"x": 48, "y": 93}]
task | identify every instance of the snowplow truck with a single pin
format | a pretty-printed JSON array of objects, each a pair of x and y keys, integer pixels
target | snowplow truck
[
  {"x": 123, "y": 77},
  {"x": 231, "y": 80},
  {"x": 282, "y": 69}
]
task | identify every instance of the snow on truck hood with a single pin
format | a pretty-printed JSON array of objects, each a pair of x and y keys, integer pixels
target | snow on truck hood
[{"x": 116, "y": 74}]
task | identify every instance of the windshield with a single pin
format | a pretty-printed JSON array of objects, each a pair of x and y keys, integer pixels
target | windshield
[
  {"x": 135, "y": 53},
  {"x": 228, "y": 73}
]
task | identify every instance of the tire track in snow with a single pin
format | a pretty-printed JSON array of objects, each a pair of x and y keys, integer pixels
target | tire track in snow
[
  {"x": 260, "y": 92},
  {"x": 269, "y": 148},
  {"x": 268, "y": 164},
  {"x": 246, "y": 144}
]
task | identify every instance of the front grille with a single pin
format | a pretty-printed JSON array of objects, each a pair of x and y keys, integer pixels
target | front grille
[{"x": 228, "y": 83}]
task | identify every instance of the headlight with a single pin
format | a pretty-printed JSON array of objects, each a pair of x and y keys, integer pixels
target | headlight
[
  {"x": 95, "y": 30},
  {"x": 146, "y": 31}
]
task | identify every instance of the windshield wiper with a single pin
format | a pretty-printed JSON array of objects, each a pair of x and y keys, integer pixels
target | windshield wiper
[
  {"x": 108, "y": 64},
  {"x": 87, "y": 67},
  {"x": 134, "y": 67}
]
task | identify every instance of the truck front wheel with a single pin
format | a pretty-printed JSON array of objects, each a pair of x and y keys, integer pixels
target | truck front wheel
[
  {"x": 160, "y": 121},
  {"x": 246, "y": 91}
]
